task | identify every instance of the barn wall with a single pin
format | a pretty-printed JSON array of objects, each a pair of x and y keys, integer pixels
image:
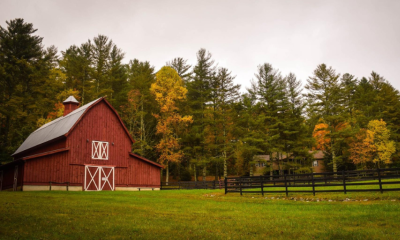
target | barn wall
[
  {"x": 142, "y": 174},
  {"x": 51, "y": 168},
  {"x": 99, "y": 124}
]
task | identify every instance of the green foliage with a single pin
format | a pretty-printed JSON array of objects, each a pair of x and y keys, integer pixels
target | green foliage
[{"x": 273, "y": 117}]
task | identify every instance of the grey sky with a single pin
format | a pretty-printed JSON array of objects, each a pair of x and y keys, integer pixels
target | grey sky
[{"x": 294, "y": 36}]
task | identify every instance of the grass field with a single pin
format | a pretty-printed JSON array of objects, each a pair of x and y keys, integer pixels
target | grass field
[{"x": 194, "y": 214}]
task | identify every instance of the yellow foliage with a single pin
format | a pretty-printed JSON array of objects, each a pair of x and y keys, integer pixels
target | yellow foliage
[
  {"x": 168, "y": 90},
  {"x": 379, "y": 135}
]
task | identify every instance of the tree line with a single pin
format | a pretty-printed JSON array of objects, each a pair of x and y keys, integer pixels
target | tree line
[{"x": 194, "y": 119}]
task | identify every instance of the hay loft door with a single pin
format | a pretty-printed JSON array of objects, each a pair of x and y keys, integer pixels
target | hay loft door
[{"x": 98, "y": 178}]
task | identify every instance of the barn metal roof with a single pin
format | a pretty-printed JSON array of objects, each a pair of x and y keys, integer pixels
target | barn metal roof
[
  {"x": 71, "y": 99},
  {"x": 53, "y": 129}
]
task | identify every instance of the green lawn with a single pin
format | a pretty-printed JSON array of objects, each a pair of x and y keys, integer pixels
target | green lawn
[{"x": 194, "y": 214}]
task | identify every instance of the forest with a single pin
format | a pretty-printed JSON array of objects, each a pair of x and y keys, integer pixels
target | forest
[{"x": 195, "y": 120}]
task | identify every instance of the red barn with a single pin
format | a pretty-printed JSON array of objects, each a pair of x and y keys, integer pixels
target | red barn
[{"x": 89, "y": 149}]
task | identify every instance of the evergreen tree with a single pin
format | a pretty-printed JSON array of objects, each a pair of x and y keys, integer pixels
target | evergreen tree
[
  {"x": 181, "y": 67},
  {"x": 325, "y": 94},
  {"x": 25, "y": 67},
  {"x": 141, "y": 76},
  {"x": 199, "y": 90}
]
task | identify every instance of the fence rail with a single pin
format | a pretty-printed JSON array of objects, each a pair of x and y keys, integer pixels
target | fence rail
[
  {"x": 192, "y": 185},
  {"x": 344, "y": 179}
]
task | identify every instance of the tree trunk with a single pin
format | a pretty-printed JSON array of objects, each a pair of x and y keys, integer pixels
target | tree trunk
[
  {"x": 225, "y": 165},
  {"x": 195, "y": 174},
  {"x": 141, "y": 129},
  {"x": 334, "y": 161},
  {"x": 167, "y": 175},
  {"x": 204, "y": 173}
]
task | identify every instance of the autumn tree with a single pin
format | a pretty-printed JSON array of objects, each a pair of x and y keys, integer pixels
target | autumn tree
[
  {"x": 379, "y": 136},
  {"x": 168, "y": 90},
  {"x": 362, "y": 149}
]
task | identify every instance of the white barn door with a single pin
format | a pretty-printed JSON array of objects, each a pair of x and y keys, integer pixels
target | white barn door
[{"x": 99, "y": 178}]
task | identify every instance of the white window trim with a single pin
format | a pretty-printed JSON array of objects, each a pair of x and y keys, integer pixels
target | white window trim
[
  {"x": 100, "y": 148},
  {"x": 315, "y": 163}
]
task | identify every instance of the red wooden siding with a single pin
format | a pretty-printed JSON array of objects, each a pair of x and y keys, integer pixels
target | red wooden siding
[
  {"x": 143, "y": 174},
  {"x": 51, "y": 168},
  {"x": 99, "y": 123}
]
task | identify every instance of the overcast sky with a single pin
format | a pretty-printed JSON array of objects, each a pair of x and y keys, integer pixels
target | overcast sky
[{"x": 294, "y": 36}]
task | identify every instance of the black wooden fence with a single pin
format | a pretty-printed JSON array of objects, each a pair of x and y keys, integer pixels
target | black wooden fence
[
  {"x": 341, "y": 181},
  {"x": 192, "y": 185}
]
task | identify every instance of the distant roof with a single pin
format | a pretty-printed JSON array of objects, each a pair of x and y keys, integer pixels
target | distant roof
[
  {"x": 53, "y": 129},
  {"x": 71, "y": 99},
  {"x": 316, "y": 154}
]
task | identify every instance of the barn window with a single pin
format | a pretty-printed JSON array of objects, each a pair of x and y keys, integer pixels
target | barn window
[
  {"x": 315, "y": 163},
  {"x": 99, "y": 150}
]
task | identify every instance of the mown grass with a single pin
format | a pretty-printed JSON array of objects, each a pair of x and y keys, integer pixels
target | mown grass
[{"x": 197, "y": 214}]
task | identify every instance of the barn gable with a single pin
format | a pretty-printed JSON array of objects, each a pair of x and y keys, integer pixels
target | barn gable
[{"x": 60, "y": 127}]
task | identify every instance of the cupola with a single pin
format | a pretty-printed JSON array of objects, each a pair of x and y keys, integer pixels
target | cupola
[{"x": 70, "y": 104}]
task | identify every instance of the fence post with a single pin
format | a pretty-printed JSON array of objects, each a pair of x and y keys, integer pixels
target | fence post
[
  {"x": 240, "y": 185},
  {"x": 262, "y": 185},
  {"x": 380, "y": 180},
  {"x": 344, "y": 182},
  {"x": 50, "y": 186},
  {"x": 294, "y": 178},
  {"x": 226, "y": 185},
  {"x": 284, "y": 177},
  {"x": 179, "y": 184},
  {"x": 67, "y": 186},
  {"x": 313, "y": 185}
]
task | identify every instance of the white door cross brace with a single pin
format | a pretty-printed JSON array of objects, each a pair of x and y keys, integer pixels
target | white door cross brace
[
  {"x": 96, "y": 178},
  {"x": 105, "y": 179}
]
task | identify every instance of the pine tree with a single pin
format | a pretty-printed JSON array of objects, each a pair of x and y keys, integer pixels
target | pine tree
[
  {"x": 199, "y": 90},
  {"x": 270, "y": 91},
  {"x": 140, "y": 77},
  {"x": 181, "y": 67},
  {"x": 326, "y": 98},
  {"x": 224, "y": 93},
  {"x": 25, "y": 67}
]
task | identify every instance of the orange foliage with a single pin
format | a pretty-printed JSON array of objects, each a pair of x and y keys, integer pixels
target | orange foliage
[
  {"x": 362, "y": 148},
  {"x": 320, "y": 135}
]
